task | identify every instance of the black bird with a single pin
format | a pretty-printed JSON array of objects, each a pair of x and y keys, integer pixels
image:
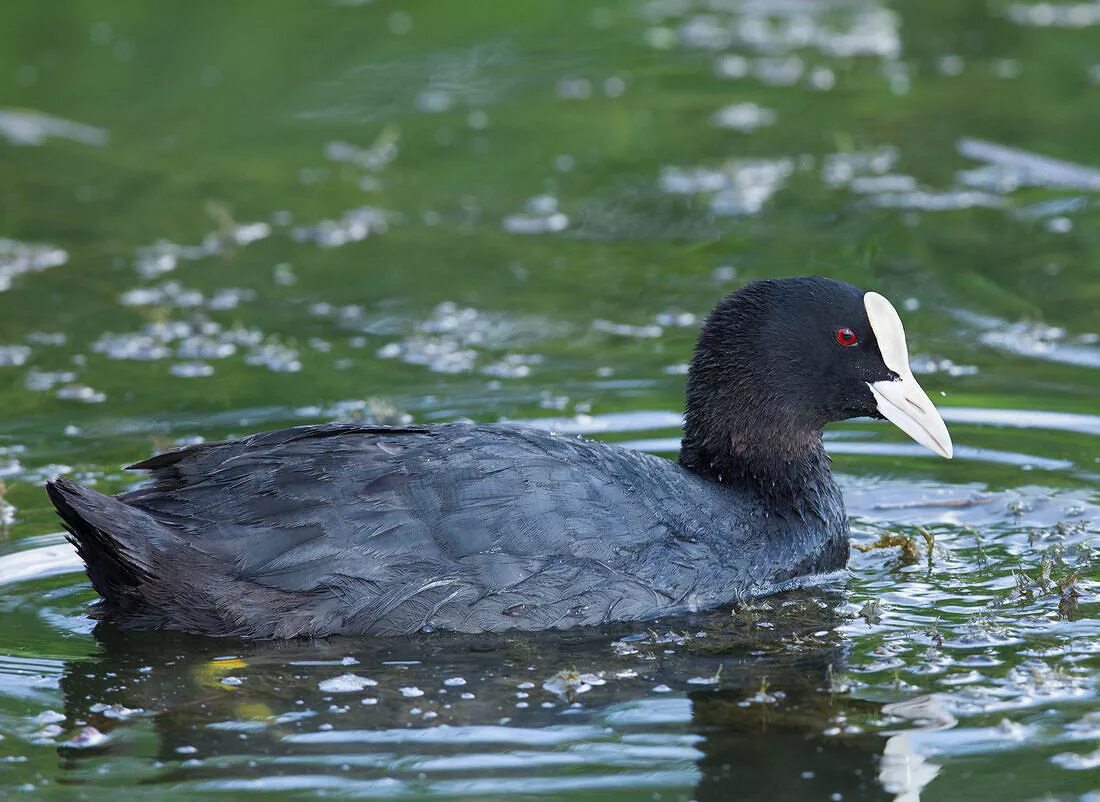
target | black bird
[{"x": 359, "y": 529}]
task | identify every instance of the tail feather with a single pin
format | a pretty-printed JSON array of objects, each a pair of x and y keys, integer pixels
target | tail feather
[{"x": 116, "y": 542}]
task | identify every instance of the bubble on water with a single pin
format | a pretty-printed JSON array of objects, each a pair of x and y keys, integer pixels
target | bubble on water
[
  {"x": 821, "y": 78},
  {"x": 49, "y": 717},
  {"x": 164, "y": 256},
  {"x": 512, "y": 366},
  {"x": 929, "y": 364},
  {"x": 47, "y": 338},
  {"x": 197, "y": 340},
  {"x": 732, "y": 66},
  {"x": 451, "y": 339},
  {"x": 116, "y": 711},
  {"x": 564, "y": 163},
  {"x": 868, "y": 31},
  {"x": 88, "y": 738},
  {"x": 539, "y": 216},
  {"x": 645, "y": 332},
  {"x": 1054, "y": 15},
  {"x": 692, "y": 180},
  {"x": 354, "y": 225},
  {"x": 169, "y": 293},
  {"x": 871, "y": 184},
  {"x": 744, "y": 117},
  {"x": 275, "y": 356},
  {"x": 573, "y": 88},
  {"x": 14, "y": 355},
  {"x": 41, "y": 380},
  {"x": 771, "y": 70},
  {"x": 247, "y": 233},
  {"x": 478, "y": 120},
  {"x": 950, "y": 64},
  {"x": 172, "y": 294},
  {"x": 741, "y": 188},
  {"x": 615, "y": 86},
  {"x": 1076, "y": 762},
  {"x": 346, "y": 683},
  {"x": 283, "y": 275},
  {"x": 17, "y": 258},
  {"x": 839, "y": 169},
  {"x": 434, "y": 101},
  {"x": 82, "y": 393}
]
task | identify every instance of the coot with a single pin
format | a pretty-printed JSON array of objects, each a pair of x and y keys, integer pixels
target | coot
[{"x": 359, "y": 529}]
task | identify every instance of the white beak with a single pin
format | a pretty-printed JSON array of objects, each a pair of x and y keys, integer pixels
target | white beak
[{"x": 902, "y": 401}]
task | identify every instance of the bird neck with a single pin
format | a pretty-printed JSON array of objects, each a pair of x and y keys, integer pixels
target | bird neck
[{"x": 786, "y": 468}]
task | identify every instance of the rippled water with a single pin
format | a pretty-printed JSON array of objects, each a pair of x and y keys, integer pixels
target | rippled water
[{"x": 220, "y": 218}]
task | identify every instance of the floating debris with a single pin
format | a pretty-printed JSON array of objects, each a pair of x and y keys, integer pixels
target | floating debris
[
  {"x": 910, "y": 553},
  {"x": 569, "y": 683}
]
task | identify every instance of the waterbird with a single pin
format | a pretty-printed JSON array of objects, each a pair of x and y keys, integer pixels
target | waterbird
[{"x": 359, "y": 529}]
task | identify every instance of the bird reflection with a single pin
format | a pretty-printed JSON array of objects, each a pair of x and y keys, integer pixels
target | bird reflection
[{"x": 756, "y": 710}]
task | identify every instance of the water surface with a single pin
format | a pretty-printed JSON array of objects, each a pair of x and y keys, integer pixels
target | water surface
[{"x": 221, "y": 218}]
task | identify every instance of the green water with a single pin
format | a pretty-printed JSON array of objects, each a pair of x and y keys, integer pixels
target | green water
[{"x": 529, "y": 207}]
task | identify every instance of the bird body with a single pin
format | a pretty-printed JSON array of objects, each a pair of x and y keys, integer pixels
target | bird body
[{"x": 348, "y": 529}]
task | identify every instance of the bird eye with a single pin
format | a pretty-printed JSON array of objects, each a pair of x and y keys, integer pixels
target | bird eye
[{"x": 846, "y": 337}]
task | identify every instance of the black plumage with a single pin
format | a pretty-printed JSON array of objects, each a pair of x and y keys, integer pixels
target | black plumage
[{"x": 357, "y": 529}]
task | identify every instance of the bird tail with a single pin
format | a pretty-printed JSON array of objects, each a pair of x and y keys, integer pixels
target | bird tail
[{"x": 117, "y": 542}]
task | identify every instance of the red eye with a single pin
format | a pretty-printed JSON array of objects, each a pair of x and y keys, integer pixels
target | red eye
[{"x": 846, "y": 337}]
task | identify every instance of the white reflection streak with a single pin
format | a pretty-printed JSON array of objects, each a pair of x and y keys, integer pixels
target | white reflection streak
[{"x": 904, "y": 771}]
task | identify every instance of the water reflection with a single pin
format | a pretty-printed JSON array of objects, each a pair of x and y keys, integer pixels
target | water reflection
[{"x": 682, "y": 710}]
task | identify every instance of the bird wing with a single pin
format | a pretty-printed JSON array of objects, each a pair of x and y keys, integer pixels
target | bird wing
[{"x": 470, "y": 527}]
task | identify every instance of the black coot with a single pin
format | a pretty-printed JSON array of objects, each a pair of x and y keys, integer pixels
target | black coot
[{"x": 358, "y": 529}]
